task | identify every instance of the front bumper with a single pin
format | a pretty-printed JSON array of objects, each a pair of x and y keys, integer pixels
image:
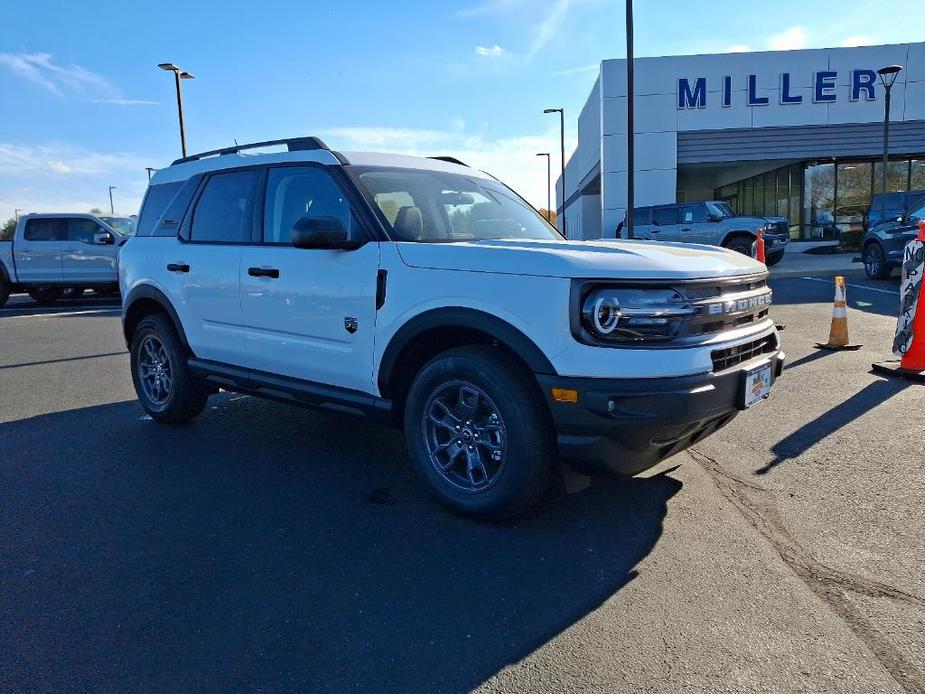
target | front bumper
[{"x": 628, "y": 425}]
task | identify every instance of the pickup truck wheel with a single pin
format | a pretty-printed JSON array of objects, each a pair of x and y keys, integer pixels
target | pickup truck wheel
[
  {"x": 875, "y": 264},
  {"x": 165, "y": 387},
  {"x": 46, "y": 296},
  {"x": 4, "y": 291},
  {"x": 478, "y": 433},
  {"x": 741, "y": 243}
]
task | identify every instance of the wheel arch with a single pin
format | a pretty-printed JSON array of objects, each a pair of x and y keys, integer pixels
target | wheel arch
[
  {"x": 146, "y": 300},
  {"x": 437, "y": 330},
  {"x": 737, "y": 232}
]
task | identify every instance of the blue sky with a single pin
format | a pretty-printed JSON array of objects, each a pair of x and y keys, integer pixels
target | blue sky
[{"x": 85, "y": 107}]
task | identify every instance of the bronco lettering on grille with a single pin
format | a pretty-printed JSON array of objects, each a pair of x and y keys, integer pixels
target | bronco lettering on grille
[{"x": 734, "y": 306}]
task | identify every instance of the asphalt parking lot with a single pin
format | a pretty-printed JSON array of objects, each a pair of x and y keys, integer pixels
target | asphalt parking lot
[{"x": 269, "y": 548}]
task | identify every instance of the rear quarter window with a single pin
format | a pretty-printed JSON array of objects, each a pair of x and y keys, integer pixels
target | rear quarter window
[{"x": 155, "y": 204}]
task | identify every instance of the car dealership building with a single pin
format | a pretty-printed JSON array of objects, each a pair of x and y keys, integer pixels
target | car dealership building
[{"x": 797, "y": 134}]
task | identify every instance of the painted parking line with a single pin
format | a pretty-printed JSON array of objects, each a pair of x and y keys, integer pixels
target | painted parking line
[{"x": 853, "y": 286}]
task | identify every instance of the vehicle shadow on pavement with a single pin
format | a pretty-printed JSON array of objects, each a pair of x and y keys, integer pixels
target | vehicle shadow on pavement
[
  {"x": 270, "y": 548},
  {"x": 829, "y": 422}
]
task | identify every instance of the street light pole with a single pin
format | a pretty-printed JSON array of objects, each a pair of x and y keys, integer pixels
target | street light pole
[
  {"x": 630, "y": 126},
  {"x": 178, "y": 74},
  {"x": 888, "y": 76},
  {"x": 548, "y": 185},
  {"x": 560, "y": 224},
  {"x": 112, "y": 208},
  {"x": 16, "y": 213}
]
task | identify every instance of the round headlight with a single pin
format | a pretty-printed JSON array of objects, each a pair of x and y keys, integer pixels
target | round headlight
[{"x": 605, "y": 314}]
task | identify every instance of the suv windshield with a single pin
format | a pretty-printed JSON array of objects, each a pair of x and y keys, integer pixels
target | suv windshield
[
  {"x": 437, "y": 207},
  {"x": 124, "y": 225},
  {"x": 721, "y": 209}
]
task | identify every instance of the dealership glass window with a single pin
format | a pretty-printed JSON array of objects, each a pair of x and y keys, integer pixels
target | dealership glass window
[
  {"x": 758, "y": 203},
  {"x": 783, "y": 192},
  {"x": 897, "y": 176},
  {"x": 793, "y": 214},
  {"x": 819, "y": 202},
  {"x": 917, "y": 175},
  {"x": 770, "y": 194},
  {"x": 748, "y": 196},
  {"x": 853, "y": 195}
]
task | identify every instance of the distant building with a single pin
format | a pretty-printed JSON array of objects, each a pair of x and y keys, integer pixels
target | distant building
[{"x": 795, "y": 134}]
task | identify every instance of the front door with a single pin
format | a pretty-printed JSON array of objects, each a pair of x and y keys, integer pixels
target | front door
[
  {"x": 694, "y": 225},
  {"x": 38, "y": 254},
  {"x": 309, "y": 313},
  {"x": 83, "y": 257}
]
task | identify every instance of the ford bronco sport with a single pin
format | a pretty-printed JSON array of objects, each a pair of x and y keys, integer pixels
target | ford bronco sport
[{"x": 428, "y": 295}]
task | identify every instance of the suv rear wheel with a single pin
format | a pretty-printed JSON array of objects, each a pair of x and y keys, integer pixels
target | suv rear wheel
[
  {"x": 478, "y": 432},
  {"x": 165, "y": 387},
  {"x": 875, "y": 264}
]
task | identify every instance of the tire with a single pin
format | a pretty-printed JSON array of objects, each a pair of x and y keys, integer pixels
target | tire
[
  {"x": 46, "y": 296},
  {"x": 509, "y": 420},
  {"x": 774, "y": 260},
  {"x": 875, "y": 264},
  {"x": 740, "y": 243},
  {"x": 5, "y": 290},
  {"x": 167, "y": 392}
]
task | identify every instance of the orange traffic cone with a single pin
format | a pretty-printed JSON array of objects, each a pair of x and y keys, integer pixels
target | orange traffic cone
[
  {"x": 838, "y": 333},
  {"x": 758, "y": 247},
  {"x": 909, "y": 343}
]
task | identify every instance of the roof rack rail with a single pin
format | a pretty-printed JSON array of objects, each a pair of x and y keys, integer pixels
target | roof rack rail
[
  {"x": 451, "y": 160},
  {"x": 295, "y": 144}
]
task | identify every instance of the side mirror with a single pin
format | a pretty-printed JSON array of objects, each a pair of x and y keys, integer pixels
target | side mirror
[
  {"x": 712, "y": 218},
  {"x": 321, "y": 233},
  {"x": 103, "y": 238}
]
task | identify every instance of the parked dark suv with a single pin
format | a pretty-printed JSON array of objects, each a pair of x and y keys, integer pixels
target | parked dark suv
[
  {"x": 884, "y": 244},
  {"x": 897, "y": 205},
  {"x": 712, "y": 222}
]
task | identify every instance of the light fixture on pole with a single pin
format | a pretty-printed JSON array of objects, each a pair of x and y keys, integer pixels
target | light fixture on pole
[
  {"x": 150, "y": 170},
  {"x": 548, "y": 184},
  {"x": 178, "y": 74},
  {"x": 888, "y": 76},
  {"x": 112, "y": 208},
  {"x": 560, "y": 224}
]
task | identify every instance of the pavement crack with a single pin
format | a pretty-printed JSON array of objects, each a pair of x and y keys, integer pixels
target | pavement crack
[{"x": 758, "y": 507}]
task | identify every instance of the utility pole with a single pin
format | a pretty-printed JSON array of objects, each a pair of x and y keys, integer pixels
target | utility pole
[
  {"x": 178, "y": 74},
  {"x": 112, "y": 208},
  {"x": 548, "y": 185},
  {"x": 888, "y": 76},
  {"x": 560, "y": 223},
  {"x": 630, "y": 126}
]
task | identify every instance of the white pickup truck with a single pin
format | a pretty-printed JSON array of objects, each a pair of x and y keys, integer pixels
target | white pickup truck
[{"x": 51, "y": 254}]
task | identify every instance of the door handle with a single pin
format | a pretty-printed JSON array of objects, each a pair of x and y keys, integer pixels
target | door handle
[
  {"x": 685, "y": 228},
  {"x": 263, "y": 272},
  {"x": 177, "y": 267}
]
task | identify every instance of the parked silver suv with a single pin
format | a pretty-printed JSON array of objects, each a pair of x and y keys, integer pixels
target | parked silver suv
[{"x": 712, "y": 222}]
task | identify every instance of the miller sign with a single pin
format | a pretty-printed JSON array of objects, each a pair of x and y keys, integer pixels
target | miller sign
[{"x": 693, "y": 93}]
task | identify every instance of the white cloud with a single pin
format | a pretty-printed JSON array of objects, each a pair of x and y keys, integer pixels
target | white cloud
[
  {"x": 549, "y": 25},
  {"x": 489, "y": 7},
  {"x": 738, "y": 48},
  {"x": 512, "y": 159},
  {"x": 550, "y": 16},
  {"x": 578, "y": 70},
  {"x": 791, "y": 39},
  {"x": 858, "y": 40},
  {"x": 73, "y": 81},
  {"x": 489, "y": 52},
  {"x": 63, "y": 159}
]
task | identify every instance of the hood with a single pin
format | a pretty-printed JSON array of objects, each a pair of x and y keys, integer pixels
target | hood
[{"x": 617, "y": 259}]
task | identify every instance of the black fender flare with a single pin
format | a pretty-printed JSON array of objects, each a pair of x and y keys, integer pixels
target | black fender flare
[
  {"x": 5, "y": 274},
  {"x": 147, "y": 292},
  {"x": 737, "y": 232},
  {"x": 459, "y": 317}
]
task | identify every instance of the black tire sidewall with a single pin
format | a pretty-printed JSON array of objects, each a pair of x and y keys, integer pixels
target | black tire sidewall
[
  {"x": 5, "y": 291},
  {"x": 186, "y": 395},
  {"x": 529, "y": 444},
  {"x": 884, "y": 269},
  {"x": 740, "y": 242},
  {"x": 45, "y": 296}
]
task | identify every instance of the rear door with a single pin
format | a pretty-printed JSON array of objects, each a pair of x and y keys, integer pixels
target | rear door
[
  {"x": 642, "y": 223},
  {"x": 37, "y": 254},
  {"x": 694, "y": 226},
  {"x": 665, "y": 223},
  {"x": 88, "y": 252},
  {"x": 309, "y": 313},
  {"x": 203, "y": 270}
]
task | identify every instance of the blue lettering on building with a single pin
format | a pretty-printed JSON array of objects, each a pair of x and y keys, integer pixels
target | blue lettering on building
[
  {"x": 785, "y": 95},
  {"x": 692, "y": 93},
  {"x": 753, "y": 98},
  {"x": 863, "y": 81},
  {"x": 692, "y": 99},
  {"x": 824, "y": 86}
]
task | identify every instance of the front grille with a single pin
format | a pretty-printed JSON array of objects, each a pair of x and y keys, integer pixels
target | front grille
[
  {"x": 738, "y": 354},
  {"x": 726, "y": 305}
]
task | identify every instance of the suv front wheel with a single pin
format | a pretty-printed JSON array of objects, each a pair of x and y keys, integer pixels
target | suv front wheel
[
  {"x": 166, "y": 389},
  {"x": 478, "y": 432},
  {"x": 875, "y": 264}
]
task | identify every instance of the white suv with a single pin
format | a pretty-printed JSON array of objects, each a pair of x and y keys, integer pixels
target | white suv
[{"x": 423, "y": 293}]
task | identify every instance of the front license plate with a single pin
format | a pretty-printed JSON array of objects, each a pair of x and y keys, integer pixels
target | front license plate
[{"x": 757, "y": 384}]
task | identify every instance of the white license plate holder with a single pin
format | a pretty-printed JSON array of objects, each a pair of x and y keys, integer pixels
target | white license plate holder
[{"x": 756, "y": 385}]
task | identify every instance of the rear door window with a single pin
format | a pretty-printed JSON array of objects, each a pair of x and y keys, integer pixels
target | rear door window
[
  {"x": 225, "y": 211},
  {"x": 642, "y": 215},
  {"x": 665, "y": 216},
  {"x": 50, "y": 229}
]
